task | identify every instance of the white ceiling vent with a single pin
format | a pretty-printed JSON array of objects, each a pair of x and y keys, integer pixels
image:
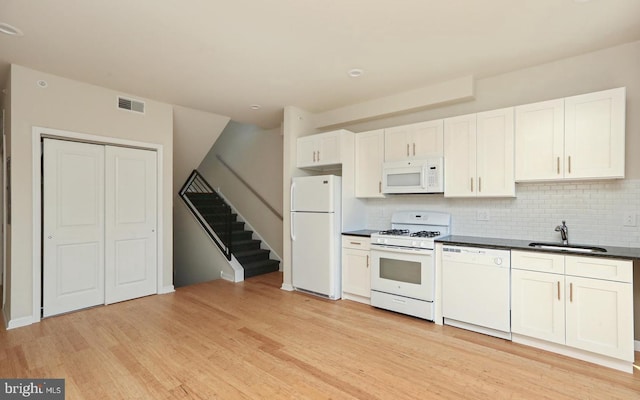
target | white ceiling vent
[{"x": 131, "y": 105}]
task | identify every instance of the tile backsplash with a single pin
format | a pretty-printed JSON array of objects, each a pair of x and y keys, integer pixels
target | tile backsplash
[{"x": 595, "y": 212}]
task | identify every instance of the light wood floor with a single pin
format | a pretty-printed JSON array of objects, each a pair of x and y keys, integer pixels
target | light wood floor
[{"x": 253, "y": 340}]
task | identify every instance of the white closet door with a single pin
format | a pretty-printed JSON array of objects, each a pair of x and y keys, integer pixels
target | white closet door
[
  {"x": 131, "y": 264},
  {"x": 73, "y": 226}
]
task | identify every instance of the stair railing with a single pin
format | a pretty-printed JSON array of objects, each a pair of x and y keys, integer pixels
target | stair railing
[{"x": 196, "y": 184}]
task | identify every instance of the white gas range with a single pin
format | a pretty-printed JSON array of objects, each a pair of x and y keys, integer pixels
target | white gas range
[{"x": 403, "y": 265}]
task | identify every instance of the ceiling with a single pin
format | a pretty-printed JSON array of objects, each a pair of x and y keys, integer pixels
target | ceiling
[{"x": 224, "y": 56}]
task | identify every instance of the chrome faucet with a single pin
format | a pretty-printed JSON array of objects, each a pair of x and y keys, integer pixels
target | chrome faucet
[{"x": 564, "y": 232}]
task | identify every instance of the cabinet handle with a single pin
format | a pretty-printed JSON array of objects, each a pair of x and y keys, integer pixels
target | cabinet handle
[
  {"x": 414, "y": 149},
  {"x": 569, "y": 164},
  {"x": 472, "y": 185},
  {"x": 356, "y": 243},
  {"x": 314, "y": 156},
  {"x": 558, "y": 165},
  {"x": 379, "y": 186},
  {"x": 558, "y": 290},
  {"x": 407, "y": 149},
  {"x": 318, "y": 155},
  {"x": 367, "y": 261},
  {"x": 479, "y": 184},
  {"x": 571, "y": 292}
]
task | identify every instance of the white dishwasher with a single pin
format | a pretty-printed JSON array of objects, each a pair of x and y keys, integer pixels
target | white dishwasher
[{"x": 476, "y": 289}]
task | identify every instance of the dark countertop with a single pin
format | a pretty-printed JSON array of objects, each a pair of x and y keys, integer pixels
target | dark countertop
[
  {"x": 361, "y": 232},
  {"x": 627, "y": 253}
]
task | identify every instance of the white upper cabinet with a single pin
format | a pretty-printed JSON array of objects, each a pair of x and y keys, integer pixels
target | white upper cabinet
[
  {"x": 594, "y": 135},
  {"x": 478, "y": 155},
  {"x": 319, "y": 151},
  {"x": 460, "y": 156},
  {"x": 579, "y": 137},
  {"x": 369, "y": 158},
  {"x": 495, "y": 153},
  {"x": 421, "y": 140},
  {"x": 540, "y": 141}
]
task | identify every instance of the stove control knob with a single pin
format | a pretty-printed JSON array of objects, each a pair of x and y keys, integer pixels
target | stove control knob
[{"x": 497, "y": 261}]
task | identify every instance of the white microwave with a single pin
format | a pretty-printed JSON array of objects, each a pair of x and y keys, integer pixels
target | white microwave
[{"x": 413, "y": 176}]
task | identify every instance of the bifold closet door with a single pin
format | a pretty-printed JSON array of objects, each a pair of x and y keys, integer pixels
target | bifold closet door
[
  {"x": 131, "y": 212},
  {"x": 99, "y": 225},
  {"x": 73, "y": 226}
]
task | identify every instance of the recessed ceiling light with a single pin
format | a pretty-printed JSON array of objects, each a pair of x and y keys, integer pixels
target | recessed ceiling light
[
  {"x": 255, "y": 106},
  {"x": 10, "y": 30},
  {"x": 355, "y": 72}
]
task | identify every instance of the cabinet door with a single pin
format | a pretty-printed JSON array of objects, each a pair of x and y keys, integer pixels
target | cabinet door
[
  {"x": 356, "y": 278},
  {"x": 306, "y": 152},
  {"x": 396, "y": 143},
  {"x": 328, "y": 149},
  {"x": 599, "y": 317},
  {"x": 539, "y": 141},
  {"x": 494, "y": 164},
  {"x": 537, "y": 305},
  {"x": 427, "y": 139},
  {"x": 460, "y": 156},
  {"x": 595, "y": 135},
  {"x": 369, "y": 159}
]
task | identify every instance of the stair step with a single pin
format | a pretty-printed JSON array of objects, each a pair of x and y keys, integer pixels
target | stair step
[
  {"x": 220, "y": 226},
  {"x": 237, "y": 235},
  {"x": 249, "y": 256},
  {"x": 215, "y": 216},
  {"x": 260, "y": 267},
  {"x": 244, "y": 245}
]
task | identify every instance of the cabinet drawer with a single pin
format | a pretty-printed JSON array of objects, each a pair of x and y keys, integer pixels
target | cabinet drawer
[
  {"x": 600, "y": 268},
  {"x": 356, "y": 242},
  {"x": 537, "y": 261}
]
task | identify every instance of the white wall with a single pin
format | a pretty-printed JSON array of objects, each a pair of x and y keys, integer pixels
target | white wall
[
  {"x": 256, "y": 156},
  {"x": 194, "y": 133},
  {"x": 77, "y": 107}
]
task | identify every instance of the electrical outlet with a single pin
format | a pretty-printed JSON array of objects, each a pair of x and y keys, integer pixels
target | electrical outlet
[
  {"x": 629, "y": 220},
  {"x": 482, "y": 215}
]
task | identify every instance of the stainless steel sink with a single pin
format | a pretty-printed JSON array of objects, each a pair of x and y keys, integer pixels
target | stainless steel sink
[{"x": 567, "y": 247}]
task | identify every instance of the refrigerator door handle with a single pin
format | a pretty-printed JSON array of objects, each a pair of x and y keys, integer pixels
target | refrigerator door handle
[
  {"x": 291, "y": 232},
  {"x": 293, "y": 185}
]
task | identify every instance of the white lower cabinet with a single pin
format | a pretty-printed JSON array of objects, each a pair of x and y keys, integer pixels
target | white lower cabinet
[
  {"x": 356, "y": 276},
  {"x": 581, "y": 303}
]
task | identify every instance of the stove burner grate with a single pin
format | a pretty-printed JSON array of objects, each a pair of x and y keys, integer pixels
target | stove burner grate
[
  {"x": 426, "y": 234},
  {"x": 396, "y": 232}
]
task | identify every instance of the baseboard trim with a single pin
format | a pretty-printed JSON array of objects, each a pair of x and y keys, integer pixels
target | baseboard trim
[
  {"x": 18, "y": 322},
  {"x": 167, "y": 289},
  {"x": 288, "y": 287},
  {"x": 227, "y": 277}
]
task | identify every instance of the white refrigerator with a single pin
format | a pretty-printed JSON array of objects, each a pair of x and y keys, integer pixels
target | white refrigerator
[{"x": 315, "y": 235}]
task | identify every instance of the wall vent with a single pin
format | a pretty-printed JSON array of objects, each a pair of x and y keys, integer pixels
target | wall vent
[{"x": 131, "y": 105}]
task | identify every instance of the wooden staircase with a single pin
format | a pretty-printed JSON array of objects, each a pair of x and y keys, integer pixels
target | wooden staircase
[{"x": 223, "y": 221}]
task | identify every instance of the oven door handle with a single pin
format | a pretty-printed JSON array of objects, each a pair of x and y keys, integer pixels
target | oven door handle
[{"x": 402, "y": 250}]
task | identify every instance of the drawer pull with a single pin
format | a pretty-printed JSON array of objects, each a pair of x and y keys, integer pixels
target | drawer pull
[
  {"x": 357, "y": 243},
  {"x": 571, "y": 292},
  {"x": 414, "y": 149},
  {"x": 407, "y": 149}
]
